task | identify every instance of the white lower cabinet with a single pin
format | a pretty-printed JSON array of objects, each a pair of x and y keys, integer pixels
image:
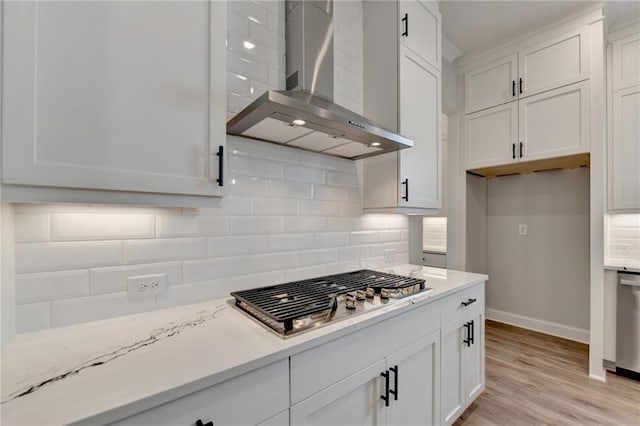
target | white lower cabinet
[
  {"x": 462, "y": 355},
  {"x": 401, "y": 389},
  {"x": 257, "y": 397}
]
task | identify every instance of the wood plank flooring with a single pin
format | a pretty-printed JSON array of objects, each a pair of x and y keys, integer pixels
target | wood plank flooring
[{"x": 534, "y": 378}]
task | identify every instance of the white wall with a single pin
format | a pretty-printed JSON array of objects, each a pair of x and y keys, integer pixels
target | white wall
[
  {"x": 543, "y": 277},
  {"x": 290, "y": 214}
]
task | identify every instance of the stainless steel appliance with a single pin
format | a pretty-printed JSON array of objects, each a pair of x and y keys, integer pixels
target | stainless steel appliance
[
  {"x": 303, "y": 305},
  {"x": 628, "y": 325},
  {"x": 304, "y": 116}
]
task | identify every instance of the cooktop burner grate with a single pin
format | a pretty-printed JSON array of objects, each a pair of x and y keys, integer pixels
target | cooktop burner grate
[{"x": 279, "y": 305}]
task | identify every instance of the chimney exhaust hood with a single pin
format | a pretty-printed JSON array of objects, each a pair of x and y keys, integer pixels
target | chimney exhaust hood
[{"x": 304, "y": 116}]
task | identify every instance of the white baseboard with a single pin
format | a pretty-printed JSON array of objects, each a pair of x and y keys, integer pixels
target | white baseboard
[{"x": 560, "y": 330}]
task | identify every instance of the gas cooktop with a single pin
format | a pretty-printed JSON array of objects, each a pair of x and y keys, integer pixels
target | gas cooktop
[{"x": 298, "y": 306}]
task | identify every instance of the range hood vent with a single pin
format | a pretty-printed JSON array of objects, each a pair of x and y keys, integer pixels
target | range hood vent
[{"x": 304, "y": 116}]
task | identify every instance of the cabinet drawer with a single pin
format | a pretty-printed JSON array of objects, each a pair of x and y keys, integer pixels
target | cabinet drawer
[
  {"x": 453, "y": 308},
  {"x": 322, "y": 366},
  {"x": 245, "y": 400}
]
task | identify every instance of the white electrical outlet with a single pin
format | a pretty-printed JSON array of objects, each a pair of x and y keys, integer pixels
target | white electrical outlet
[
  {"x": 522, "y": 229},
  {"x": 147, "y": 286},
  {"x": 389, "y": 257}
]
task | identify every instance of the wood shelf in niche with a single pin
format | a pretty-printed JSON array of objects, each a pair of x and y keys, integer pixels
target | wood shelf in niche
[{"x": 566, "y": 162}]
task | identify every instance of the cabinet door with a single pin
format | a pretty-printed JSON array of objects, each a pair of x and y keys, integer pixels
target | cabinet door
[
  {"x": 556, "y": 62},
  {"x": 114, "y": 95},
  {"x": 352, "y": 401},
  {"x": 417, "y": 371},
  {"x": 265, "y": 391},
  {"x": 474, "y": 361},
  {"x": 491, "y": 136},
  {"x": 491, "y": 85},
  {"x": 555, "y": 123},
  {"x": 420, "y": 166},
  {"x": 452, "y": 390},
  {"x": 419, "y": 29},
  {"x": 626, "y": 149},
  {"x": 626, "y": 62}
]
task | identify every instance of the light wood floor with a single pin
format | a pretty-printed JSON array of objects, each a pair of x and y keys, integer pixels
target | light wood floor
[{"x": 533, "y": 378}]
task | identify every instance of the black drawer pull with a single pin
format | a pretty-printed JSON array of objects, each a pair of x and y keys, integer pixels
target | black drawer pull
[
  {"x": 521, "y": 146},
  {"x": 385, "y": 397},
  {"x": 467, "y": 340},
  {"x": 472, "y": 333},
  {"x": 513, "y": 87},
  {"x": 468, "y": 302},
  {"x": 406, "y": 188},
  {"x": 394, "y": 392},
  {"x": 513, "y": 150},
  {"x": 521, "y": 85},
  {"x": 199, "y": 423},
  {"x": 220, "y": 179},
  {"x": 405, "y": 33}
]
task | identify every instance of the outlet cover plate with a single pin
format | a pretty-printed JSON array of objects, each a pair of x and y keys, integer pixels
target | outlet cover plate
[{"x": 146, "y": 286}]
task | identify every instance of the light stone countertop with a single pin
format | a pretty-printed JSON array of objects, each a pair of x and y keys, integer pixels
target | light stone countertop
[{"x": 105, "y": 370}]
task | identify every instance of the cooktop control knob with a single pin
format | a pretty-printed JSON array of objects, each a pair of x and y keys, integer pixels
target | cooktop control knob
[
  {"x": 350, "y": 301},
  {"x": 370, "y": 293},
  {"x": 360, "y": 294},
  {"x": 384, "y": 293}
]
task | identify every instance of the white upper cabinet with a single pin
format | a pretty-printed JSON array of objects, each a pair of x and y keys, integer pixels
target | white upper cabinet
[
  {"x": 492, "y": 84},
  {"x": 545, "y": 66},
  {"x": 402, "y": 92},
  {"x": 626, "y": 62},
  {"x": 124, "y": 96},
  {"x": 532, "y": 105},
  {"x": 625, "y": 150},
  {"x": 420, "y": 29},
  {"x": 420, "y": 172},
  {"x": 492, "y": 135},
  {"x": 554, "y": 123},
  {"x": 556, "y": 62}
]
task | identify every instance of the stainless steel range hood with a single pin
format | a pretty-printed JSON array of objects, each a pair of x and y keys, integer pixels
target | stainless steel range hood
[{"x": 304, "y": 116}]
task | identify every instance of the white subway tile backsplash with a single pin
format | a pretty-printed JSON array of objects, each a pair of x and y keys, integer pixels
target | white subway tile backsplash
[
  {"x": 193, "y": 293},
  {"x": 305, "y": 224},
  {"x": 330, "y": 239},
  {"x": 148, "y": 251},
  {"x": 331, "y": 193},
  {"x": 384, "y": 221},
  {"x": 114, "y": 279},
  {"x": 304, "y": 273},
  {"x": 255, "y": 70},
  {"x": 46, "y": 286},
  {"x": 94, "y": 308},
  {"x": 274, "y": 206},
  {"x": 281, "y": 188},
  {"x": 353, "y": 252},
  {"x": 363, "y": 237},
  {"x": 40, "y": 257},
  {"x": 342, "y": 223},
  {"x": 254, "y": 167},
  {"x": 244, "y": 282},
  {"x": 210, "y": 269},
  {"x": 246, "y": 225},
  {"x": 318, "y": 257},
  {"x": 32, "y": 227},
  {"x": 287, "y": 242},
  {"x": 340, "y": 267},
  {"x": 342, "y": 179},
  {"x": 96, "y": 226},
  {"x": 249, "y": 10},
  {"x": 386, "y": 236},
  {"x": 236, "y": 245},
  {"x": 305, "y": 174},
  {"x": 33, "y": 317},
  {"x": 322, "y": 208},
  {"x": 270, "y": 151},
  {"x": 176, "y": 226},
  {"x": 379, "y": 249},
  {"x": 247, "y": 185},
  {"x": 273, "y": 261},
  {"x": 238, "y": 22},
  {"x": 213, "y": 225}
]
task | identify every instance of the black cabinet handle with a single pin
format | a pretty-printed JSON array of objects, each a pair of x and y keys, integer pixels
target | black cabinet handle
[
  {"x": 513, "y": 87},
  {"x": 513, "y": 150},
  {"x": 220, "y": 155},
  {"x": 406, "y": 188},
  {"x": 199, "y": 423},
  {"x": 405, "y": 20},
  {"x": 385, "y": 397},
  {"x": 468, "y": 302},
  {"x": 520, "y": 84},
  {"x": 521, "y": 146},
  {"x": 467, "y": 338},
  {"x": 394, "y": 392},
  {"x": 472, "y": 332}
]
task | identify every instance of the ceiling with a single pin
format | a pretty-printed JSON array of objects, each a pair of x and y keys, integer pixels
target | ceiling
[{"x": 473, "y": 25}]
